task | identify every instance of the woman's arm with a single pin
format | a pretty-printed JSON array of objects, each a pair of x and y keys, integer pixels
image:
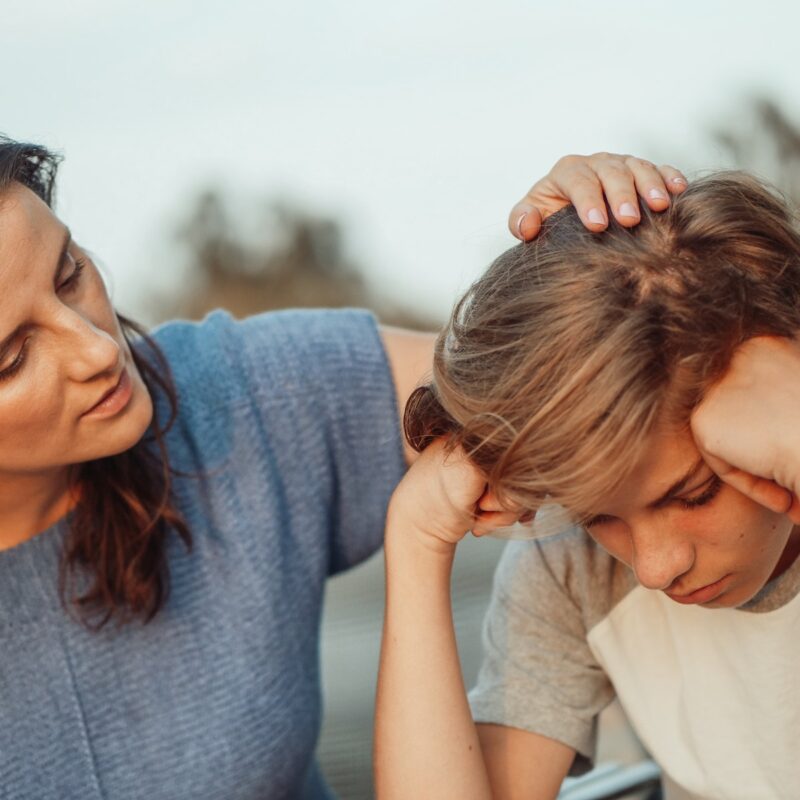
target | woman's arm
[{"x": 426, "y": 744}]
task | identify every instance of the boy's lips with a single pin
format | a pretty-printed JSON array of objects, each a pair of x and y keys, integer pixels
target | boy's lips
[{"x": 702, "y": 595}]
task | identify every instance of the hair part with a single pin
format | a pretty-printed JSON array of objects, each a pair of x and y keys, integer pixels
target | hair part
[{"x": 561, "y": 361}]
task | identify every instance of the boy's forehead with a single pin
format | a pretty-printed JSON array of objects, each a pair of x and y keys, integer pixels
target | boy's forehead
[{"x": 668, "y": 457}]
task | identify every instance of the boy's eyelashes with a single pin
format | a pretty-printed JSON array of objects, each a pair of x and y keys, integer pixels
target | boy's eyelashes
[{"x": 711, "y": 490}]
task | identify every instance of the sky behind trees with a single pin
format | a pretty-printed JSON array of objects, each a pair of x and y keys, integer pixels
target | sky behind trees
[{"x": 417, "y": 125}]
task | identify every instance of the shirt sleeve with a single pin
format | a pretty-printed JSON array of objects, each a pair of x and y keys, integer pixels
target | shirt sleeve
[
  {"x": 323, "y": 377},
  {"x": 538, "y": 672}
]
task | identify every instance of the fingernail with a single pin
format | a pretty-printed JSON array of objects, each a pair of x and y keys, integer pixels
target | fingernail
[
  {"x": 678, "y": 180},
  {"x": 519, "y": 225},
  {"x": 657, "y": 194},
  {"x": 627, "y": 210},
  {"x": 595, "y": 216}
]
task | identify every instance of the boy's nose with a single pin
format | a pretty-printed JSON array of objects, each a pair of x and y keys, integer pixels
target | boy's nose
[{"x": 659, "y": 559}]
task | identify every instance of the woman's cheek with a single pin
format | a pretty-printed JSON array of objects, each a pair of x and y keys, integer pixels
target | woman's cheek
[{"x": 32, "y": 400}]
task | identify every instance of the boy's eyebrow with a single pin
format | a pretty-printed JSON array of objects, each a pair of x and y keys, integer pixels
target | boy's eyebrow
[{"x": 678, "y": 486}]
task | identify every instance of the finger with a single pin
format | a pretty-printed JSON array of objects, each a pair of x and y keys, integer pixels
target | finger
[
  {"x": 581, "y": 187},
  {"x": 717, "y": 465},
  {"x": 649, "y": 183},
  {"x": 525, "y": 220},
  {"x": 573, "y": 180},
  {"x": 488, "y": 521},
  {"x": 620, "y": 190},
  {"x": 489, "y": 502},
  {"x": 772, "y": 496},
  {"x": 763, "y": 491},
  {"x": 674, "y": 179},
  {"x": 794, "y": 511}
]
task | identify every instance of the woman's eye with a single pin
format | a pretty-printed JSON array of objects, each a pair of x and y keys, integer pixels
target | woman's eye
[
  {"x": 75, "y": 277},
  {"x": 68, "y": 285},
  {"x": 15, "y": 365}
]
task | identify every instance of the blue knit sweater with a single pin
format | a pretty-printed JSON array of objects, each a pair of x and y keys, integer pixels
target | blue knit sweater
[{"x": 291, "y": 418}]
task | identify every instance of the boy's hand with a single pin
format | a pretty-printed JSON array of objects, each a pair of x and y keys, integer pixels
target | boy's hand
[
  {"x": 442, "y": 496},
  {"x": 588, "y": 183},
  {"x": 747, "y": 428}
]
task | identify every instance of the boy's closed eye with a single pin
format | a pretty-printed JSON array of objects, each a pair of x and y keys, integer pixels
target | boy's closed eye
[{"x": 696, "y": 497}]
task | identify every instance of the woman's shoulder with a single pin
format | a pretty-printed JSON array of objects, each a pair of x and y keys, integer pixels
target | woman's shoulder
[
  {"x": 292, "y": 410},
  {"x": 197, "y": 352},
  {"x": 277, "y": 352}
]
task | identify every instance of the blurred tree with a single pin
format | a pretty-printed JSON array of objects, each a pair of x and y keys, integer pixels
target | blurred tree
[
  {"x": 765, "y": 141},
  {"x": 288, "y": 258}
]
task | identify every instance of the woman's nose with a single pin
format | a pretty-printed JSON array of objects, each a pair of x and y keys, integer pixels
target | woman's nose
[
  {"x": 93, "y": 351},
  {"x": 660, "y": 557}
]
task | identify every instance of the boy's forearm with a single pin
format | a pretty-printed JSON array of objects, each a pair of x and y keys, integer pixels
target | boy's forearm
[{"x": 426, "y": 745}]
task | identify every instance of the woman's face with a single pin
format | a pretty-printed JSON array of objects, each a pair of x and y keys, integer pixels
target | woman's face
[
  {"x": 65, "y": 349},
  {"x": 686, "y": 533}
]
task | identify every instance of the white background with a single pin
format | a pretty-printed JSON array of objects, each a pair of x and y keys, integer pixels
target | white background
[{"x": 417, "y": 123}]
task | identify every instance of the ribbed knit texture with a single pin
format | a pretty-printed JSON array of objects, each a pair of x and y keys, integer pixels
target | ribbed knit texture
[{"x": 291, "y": 418}]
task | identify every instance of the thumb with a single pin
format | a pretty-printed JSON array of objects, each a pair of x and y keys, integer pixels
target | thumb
[
  {"x": 525, "y": 221},
  {"x": 794, "y": 512},
  {"x": 763, "y": 491}
]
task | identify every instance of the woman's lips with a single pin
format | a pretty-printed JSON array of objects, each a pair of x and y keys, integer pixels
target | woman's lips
[
  {"x": 114, "y": 401},
  {"x": 702, "y": 595}
]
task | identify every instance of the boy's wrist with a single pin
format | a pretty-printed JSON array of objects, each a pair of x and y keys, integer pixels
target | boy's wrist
[{"x": 403, "y": 533}]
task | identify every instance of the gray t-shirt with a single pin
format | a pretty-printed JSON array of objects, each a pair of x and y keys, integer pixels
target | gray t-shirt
[
  {"x": 712, "y": 693},
  {"x": 291, "y": 420}
]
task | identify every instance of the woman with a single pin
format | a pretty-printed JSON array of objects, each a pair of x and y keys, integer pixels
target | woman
[
  {"x": 646, "y": 381},
  {"x": 239, "y": 463}
]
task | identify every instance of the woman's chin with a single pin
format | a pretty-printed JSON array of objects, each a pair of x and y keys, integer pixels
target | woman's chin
[
  {"x": 139, "y": 419},
  {"x": 117, "y": 434}
]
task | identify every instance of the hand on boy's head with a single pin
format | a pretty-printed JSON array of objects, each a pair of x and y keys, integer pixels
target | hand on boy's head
[{"x": 588, "y": 183}]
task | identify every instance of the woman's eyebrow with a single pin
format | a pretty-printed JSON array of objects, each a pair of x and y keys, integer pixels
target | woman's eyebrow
[
  {"x": 59, "y": 268},
  {"x": 62, "y": 260},
  {"x": 678, "y": 486}
]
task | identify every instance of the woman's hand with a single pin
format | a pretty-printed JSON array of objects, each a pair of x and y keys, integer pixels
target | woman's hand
[
  {"x": 583, "y": 181},
  {"x": 748, "y": 426},
  {"x": 442, "y": 496}
]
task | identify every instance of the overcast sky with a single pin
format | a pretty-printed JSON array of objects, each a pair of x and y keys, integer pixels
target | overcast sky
[{"x": 418, "y": 123}]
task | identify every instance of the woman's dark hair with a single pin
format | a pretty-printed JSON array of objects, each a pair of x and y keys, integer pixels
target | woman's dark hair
[{"x": 118, "y": 531}]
